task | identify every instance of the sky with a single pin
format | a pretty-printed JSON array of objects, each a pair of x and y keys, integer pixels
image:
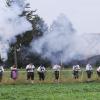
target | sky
[{"x": 84, "y": 14}]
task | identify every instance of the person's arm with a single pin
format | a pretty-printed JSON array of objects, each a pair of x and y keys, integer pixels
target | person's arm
[
  {"x": 73, "y": 68},
  {"x": 91, "y": 68},
  {"x": 38, "y": 69},
  {"x": 33, "y": 67},
  {"x": 27, "y": 67},
  {"x": 53, "y": 67},
  {"x": 86, "y": 67},
  {"x": 78, "y": 67},
  {"x": 59, "y": 67},
  {"x": 11, "y": 68},
  {"x": 98, "y": 69},
  {"x": 44, "y": 69},
  {"x": 2, "y": 69}
]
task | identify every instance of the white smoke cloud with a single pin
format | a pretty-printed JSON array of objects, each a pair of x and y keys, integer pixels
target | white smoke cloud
[
  {"x": 11, "y": 24},
  {"x": 62, "y": 43}
]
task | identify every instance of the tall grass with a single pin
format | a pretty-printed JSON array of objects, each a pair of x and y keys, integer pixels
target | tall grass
[{"x": 66, "y": 76}]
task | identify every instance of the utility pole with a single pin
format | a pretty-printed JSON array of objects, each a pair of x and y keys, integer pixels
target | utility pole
[
  {"x": 0, "y": 59},
  {"x": 61, "y": 62},
  {"x": 16, "y": 49},
  {"x": 15, "y": 55}
]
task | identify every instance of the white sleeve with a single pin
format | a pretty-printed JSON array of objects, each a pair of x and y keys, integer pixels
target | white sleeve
[
  {"x": 59, "y": 67},
  {"x": 98, "y": 68},
  {"x": 91, "y": 68},
  {"x": 53, "y": 67},
  {"x": 11, "y": 68},
  {"x": 44, "y": 69},
  {"x": 33, "y": 67},
  {"x": 38, "y": 69},
  {"x": 26, "y": 67},
  {"x": 2, "y": 69},
  {"x": 86, "y": 67},
  {"x": 78, "y": 67},
  {"x": 73, "y": 67}
]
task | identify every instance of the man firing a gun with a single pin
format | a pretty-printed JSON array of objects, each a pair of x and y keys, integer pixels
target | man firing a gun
[{"x": 76, "y": 69}]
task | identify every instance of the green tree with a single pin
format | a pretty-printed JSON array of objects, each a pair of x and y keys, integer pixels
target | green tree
[
  {"x": 23, "y": 44},
  {"x": 23, "y": 41}
]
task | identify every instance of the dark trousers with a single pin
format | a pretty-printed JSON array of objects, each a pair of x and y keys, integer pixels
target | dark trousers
[
  {"x": 41, "y": 76},
  {"x": 30, "y": 75},
  {"x": 56, "y": 75},
  {"x": 89, "y": 73},
  {"x": 76, "y": 74},
  {"x": 98, "y": 73}
]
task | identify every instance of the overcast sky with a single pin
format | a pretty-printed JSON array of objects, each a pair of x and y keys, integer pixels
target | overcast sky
[{"x": 84, "y": 14}]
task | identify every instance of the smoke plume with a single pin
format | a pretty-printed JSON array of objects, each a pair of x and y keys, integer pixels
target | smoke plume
[
  {"x": 11, "y": 23},
  {"x": 62, "y": 43}
]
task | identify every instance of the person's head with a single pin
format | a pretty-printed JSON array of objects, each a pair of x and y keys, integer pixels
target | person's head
[
  {"x": 41, "y": 65},
  {"x": 88, "y": 64},
  {"x": 31, "y": 63},
  {"x": 14, "y": 66}
]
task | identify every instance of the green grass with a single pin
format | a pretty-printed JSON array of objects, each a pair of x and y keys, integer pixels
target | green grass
[
  {"x": 67, "y": 89},
  {"x": 72, "y": 91}
]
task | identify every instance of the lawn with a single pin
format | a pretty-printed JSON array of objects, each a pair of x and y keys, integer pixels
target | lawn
[
  {"x": 67, "y": 89},
  {"x": 44, "y": 91}
]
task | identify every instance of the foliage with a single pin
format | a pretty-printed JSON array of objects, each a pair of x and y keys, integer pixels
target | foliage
[{"x": 23, "y": 41}]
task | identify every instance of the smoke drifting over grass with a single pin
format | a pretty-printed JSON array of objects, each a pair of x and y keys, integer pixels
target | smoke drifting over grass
[
  {"x": 11, "y": 23},
  {"x": 62, "y": 43}
]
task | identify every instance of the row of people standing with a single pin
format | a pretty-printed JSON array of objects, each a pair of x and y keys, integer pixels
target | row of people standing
[
  {"x": 76, "y": 69},
  {"x": 30, "y": 68},
  {"x": 89, "y": 71},
  {"x": 41, "y": 72},
  {"x": 30, "y": 72}
]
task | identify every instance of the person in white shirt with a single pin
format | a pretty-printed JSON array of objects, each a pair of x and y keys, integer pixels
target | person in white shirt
[
  {"x": 89, "y": 70},
  {"x": 98, "y": 71},
  {"x": 76, "y": 69},
  {"x": 30, "y": 72},
  {"x": 41, "y": 72},
  {"x": 56, "y": 69},
  {"x": 1, "y": 72}
]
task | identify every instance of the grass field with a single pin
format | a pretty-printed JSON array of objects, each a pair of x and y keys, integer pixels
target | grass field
[
  {"x": 72, "y": 91},
  {"x": 67, "y": 89}
]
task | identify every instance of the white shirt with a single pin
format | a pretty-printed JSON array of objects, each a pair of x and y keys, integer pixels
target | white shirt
[
  {"x": 56, "y": 67},
  {"x": 76, "y": 67},
  {"x": 30, "y": 68},
  {"x": 41, "y": 69},
  {"x": 88, "y": 67},
  {"x": 98, "y": 69},
  {"x": 1, "y": 69}
]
